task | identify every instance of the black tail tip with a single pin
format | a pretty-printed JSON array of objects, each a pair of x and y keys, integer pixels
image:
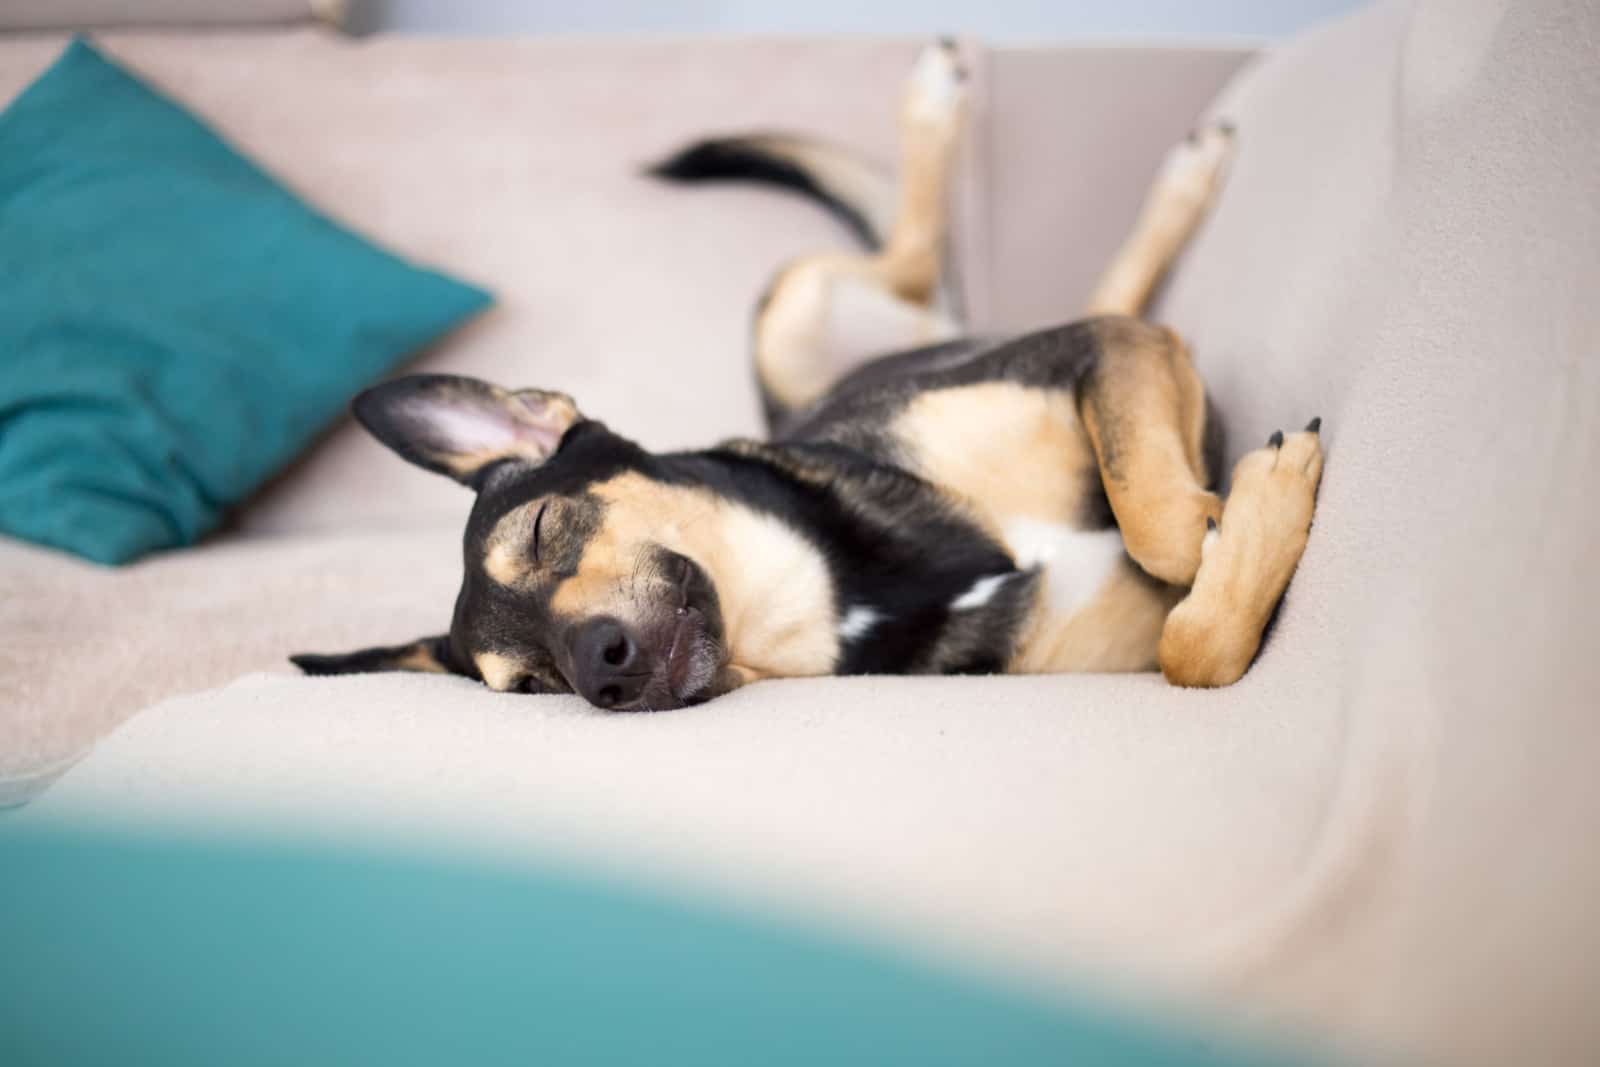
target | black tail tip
[
  {"x": 311, "y": 663},
  {"x": 702, "y": 159},
  {"x": 667, "y": 169}
]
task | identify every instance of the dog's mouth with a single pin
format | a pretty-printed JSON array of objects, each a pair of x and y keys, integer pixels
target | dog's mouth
[
  {"x": 684, "y": 639},
  {"x": 666, "y": 653},
  {"x": 693, "y": 658},
  {"x": 694, "y": 654}
]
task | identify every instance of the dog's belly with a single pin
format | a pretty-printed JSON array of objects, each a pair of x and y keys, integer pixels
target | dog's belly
[
  {"x": 1020, "y": 458},
  {"x": 1075, "y": 564},
  {"x": 1095, "y": 610}
]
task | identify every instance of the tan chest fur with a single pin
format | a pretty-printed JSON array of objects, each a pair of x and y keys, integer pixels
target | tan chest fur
[{"x": 1018, "y": 459}]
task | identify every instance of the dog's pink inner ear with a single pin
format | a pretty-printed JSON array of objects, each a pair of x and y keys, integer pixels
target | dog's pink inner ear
[
  {"x": 528, "y": 424},
  {"x": 540, "y": 419},
  {"x": 460, "y": 426}
]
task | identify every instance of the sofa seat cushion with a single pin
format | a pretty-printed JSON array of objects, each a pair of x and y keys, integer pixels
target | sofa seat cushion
[{"x": 1043, "y": 825}]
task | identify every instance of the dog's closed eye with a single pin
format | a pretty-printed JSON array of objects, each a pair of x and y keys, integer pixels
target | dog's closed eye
[{"x": 538, "y": 524}]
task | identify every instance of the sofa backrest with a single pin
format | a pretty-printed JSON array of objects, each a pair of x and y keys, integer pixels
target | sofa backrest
[
  {"x": 1065, "y": 141},
  {"x": 103, "y": 14}
]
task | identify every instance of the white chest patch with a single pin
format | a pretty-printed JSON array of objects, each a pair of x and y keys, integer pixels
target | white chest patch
[
  {"x": 858, "y": 622},
  {"x": 980, "y": 592},
  {"x": 1076, "y": 563}
]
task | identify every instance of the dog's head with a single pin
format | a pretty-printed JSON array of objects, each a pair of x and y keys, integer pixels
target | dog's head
[{"x": 588, "y": 567}]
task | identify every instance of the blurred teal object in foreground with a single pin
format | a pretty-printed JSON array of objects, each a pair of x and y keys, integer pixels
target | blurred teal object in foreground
[
  {"x": 135, "y": 950},
  {"x": 174, "y": 325}
]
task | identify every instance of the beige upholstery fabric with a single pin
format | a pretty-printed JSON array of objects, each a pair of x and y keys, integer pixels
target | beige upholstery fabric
[
  {"x": 1386, "y": 832},
  {"x": 1410, "y": 247},
  {"x": 1070, "y": 140}
]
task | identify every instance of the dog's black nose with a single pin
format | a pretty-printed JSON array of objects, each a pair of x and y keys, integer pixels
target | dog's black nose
[{"x": 609, "y": 665}]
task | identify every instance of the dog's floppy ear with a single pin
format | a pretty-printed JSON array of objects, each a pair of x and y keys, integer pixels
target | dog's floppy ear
[
  {"x": 427, "y": 654},
  {"x": 462, "y": 426}
]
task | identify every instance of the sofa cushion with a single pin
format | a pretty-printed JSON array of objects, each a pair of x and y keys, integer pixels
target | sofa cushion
[
  {"x": 1051, "y": 826},
  {"x": 176, "y": 325}
]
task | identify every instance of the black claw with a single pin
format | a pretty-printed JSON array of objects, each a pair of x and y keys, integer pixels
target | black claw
[
  {"x": 1276, "y": 440},
  {"x": 1315, "y": 425},
  {"x": 1211, "y": 524}
]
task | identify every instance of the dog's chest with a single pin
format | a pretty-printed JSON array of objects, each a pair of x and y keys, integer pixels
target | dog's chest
[
  {"x": 1094, "y": 610},
  {"x": 1019, "y": 457}
]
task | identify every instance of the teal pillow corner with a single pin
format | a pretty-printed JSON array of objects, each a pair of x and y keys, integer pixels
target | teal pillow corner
[
  {"x": 175, "y": 326},
  {"x": 264, "y": 952}
]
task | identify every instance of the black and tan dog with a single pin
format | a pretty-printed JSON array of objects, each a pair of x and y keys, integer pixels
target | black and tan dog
[{"x": 1030, "y": 505}]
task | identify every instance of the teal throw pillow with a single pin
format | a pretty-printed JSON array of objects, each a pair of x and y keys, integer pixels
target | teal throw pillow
[{"x": 174, "y": 325}]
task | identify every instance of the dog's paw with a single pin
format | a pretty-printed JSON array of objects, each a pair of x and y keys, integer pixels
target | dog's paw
[
  {"x": 1193, "y": 171},
  {"x": 1246, "y": 562},
  {"x": 937, "y": 89}
]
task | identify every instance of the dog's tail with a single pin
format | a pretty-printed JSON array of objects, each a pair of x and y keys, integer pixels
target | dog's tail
[{"x": 859, "y": 194}]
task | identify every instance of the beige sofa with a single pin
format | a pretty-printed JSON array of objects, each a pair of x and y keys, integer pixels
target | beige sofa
[{"x": 1386, "y": 835}]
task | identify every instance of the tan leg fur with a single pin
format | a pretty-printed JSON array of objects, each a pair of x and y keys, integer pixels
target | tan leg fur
[
  {"x": 827, "y": 314},
  {"x": 1144, "y": 409},
  {"x": 1212, "y": 636}
]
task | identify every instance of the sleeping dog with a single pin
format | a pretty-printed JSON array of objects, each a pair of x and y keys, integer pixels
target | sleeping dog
[{"x": 962, "y": 505}]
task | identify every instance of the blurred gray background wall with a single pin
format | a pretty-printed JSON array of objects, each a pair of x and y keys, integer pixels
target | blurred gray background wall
[{"x": 1001, "y": 20}]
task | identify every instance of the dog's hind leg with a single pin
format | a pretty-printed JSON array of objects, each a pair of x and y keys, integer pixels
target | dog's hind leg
[
  {"x": 931, "y": 117},
  {"x": 1183, "y": 191},
  {"x": 1144, "y": 409},
  {"x": 826, "y": 315},
  {"x": 1142, "y": 403}
]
